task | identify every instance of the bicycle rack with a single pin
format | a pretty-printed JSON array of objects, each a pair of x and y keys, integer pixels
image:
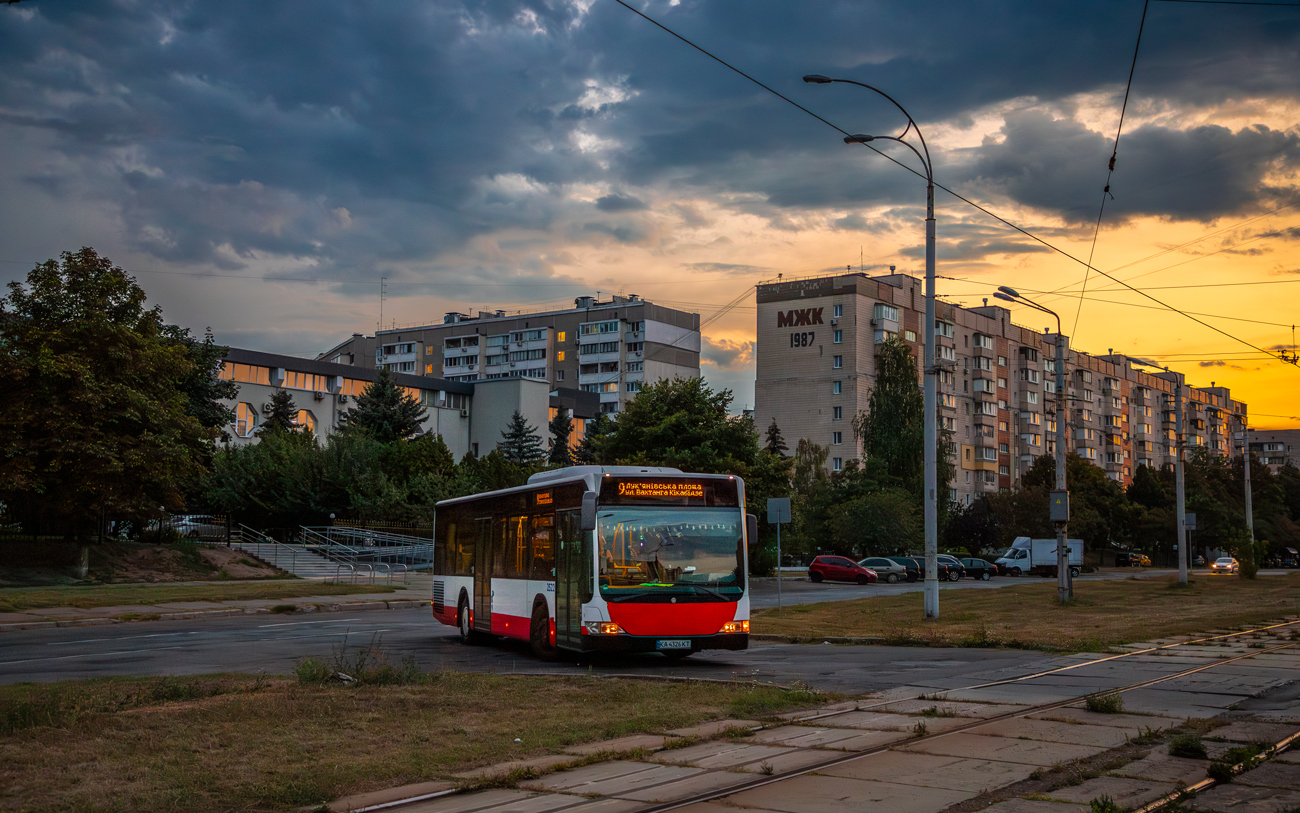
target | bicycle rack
[{"x": 349, "y": 567}]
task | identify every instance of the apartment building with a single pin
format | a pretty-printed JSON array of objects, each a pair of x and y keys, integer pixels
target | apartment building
[
  {"x": 611, "y": 348},
  {"x": 1276, "y": 447},
  {"x": 816, "y": 343},
  {"x": 469, "y": 416}
]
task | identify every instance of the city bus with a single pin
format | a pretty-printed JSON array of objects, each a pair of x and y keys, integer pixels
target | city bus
[{"x": 598, "y": 559}]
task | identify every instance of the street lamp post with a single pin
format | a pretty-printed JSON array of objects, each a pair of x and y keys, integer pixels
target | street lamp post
[
  {"x": 1060, "y": 504},
  {"x": 931, "y": 395},
  {"x": 1180, "y": 500}
]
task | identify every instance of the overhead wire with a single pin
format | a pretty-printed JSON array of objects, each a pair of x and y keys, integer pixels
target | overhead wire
[
  {"x": 1110, "y": 170},
  {"x": 957, "y": 195}
]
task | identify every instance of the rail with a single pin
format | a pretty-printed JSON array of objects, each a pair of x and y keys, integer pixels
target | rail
[
  {"x": 357, "y": 545},
  {"x": 249, "y": 536}
]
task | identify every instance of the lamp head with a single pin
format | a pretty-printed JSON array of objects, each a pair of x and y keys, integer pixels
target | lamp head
[
  {"x": 1002, "y": 296},
  {"x": 1009, "y": 291},
  {"x": 817, "y": 79},
  {"x": 859, "y": 138}
]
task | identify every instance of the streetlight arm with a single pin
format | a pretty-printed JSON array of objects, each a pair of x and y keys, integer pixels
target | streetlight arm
[
  {"x": 929, "y": 175},
  {"x": 911, "y": 123}
]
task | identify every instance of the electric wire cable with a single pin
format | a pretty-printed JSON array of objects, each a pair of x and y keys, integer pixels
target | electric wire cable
[{"x": 937, "y": 185}]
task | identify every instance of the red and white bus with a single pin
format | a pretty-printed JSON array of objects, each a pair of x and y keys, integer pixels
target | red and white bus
[{"x": 599, "y": 559}]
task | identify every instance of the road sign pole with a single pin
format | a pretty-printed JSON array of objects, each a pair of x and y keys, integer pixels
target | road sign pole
[{"x": 778, "y": 567}]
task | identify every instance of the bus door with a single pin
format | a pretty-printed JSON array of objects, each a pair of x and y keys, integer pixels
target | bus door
[
  {"x": 572, "y": 578},
  {"x": 483, "y": 575}
]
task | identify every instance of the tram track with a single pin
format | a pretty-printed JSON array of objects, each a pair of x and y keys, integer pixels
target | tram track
[{"x": 1019, "y": 712}]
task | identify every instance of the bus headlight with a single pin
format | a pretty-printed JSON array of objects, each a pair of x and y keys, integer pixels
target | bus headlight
[
  {"x": 603, "y": 628},
  {"x": 735, "y": 626}
]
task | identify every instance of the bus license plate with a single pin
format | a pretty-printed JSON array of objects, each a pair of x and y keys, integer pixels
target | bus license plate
[{"x": 674, "y": 643}]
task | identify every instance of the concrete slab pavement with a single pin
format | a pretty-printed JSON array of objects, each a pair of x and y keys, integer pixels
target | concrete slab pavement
[
  {"x": 1126, "y": 792},
  {"x": 1003, "y": 749},
  {"x": 928, "y": 770}
]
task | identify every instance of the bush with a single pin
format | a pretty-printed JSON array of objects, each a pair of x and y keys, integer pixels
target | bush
[
  {"x": 1109, "y": 703},
  {"x": 1104, "y": 804},
  {"x": 1188, "y": 746},
  {"x": 312, "y": 671}
]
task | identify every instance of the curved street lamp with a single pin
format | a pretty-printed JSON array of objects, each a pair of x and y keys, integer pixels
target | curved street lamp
[
  {"x": 1060, "y": 506},
  {"x": 931, "y": 395}
]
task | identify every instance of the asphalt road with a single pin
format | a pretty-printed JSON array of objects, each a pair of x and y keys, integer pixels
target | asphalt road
[
  {"x": 799, "y": 590},
  {"x": 273, "y": 644}
]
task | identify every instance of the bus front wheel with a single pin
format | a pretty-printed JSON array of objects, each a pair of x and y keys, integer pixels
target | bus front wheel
[
  {"x": 463, "y": 625},
  {"x": 539, "y": 633}
]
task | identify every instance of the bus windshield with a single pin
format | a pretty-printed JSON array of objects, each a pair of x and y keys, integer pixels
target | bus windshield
[{"x": 661, "y": 553}]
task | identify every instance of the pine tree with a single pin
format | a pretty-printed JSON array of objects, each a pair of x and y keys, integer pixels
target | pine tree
[
  {"x": 775, "y": 443},
  {"x": 561, "y": 430},
  {"x": 283, "y": 416},
  {"x": 520, "y": 443},
  {"x": 586, "y": 454},
  {"x": 385, "y": 411}
]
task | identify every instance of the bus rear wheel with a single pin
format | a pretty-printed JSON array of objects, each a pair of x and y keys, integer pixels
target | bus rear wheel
[{"x": 539, "y": 633}]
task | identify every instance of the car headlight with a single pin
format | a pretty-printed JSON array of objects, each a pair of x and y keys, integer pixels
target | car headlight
[
  {"x": 735, "y": 626},
  {"x": 602, "y": 628}
]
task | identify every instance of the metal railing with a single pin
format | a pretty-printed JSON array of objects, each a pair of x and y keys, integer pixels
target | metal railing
[
  {"x": 242, "y": 536},
  {"x": 363, "y": 545}
]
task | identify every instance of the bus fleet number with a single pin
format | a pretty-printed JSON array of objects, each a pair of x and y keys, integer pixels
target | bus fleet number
[{"x": 802, "y": 339}]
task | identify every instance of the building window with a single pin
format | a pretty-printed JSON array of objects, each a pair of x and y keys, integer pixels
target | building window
[
  {"x": 910, "y": 334},
  {"x": 245, "y": 373},
  {"x": 598, "y": 327},
  {"x": 839, "y": 311},
  {"x": 559, "y": 355},
  {"x": 837, "y": 362},
  {"x": 559, "y": 375},
  {"x": 1002, "y": 383},
  {"x": 633, "y": 347},
  {"x": 941, "y": 328},
  {"x": 837, "y": 387},
  {"x": 428, "y": 369},
  {"x": 634, "y": 366},
  {"x": 305, "y": 420},
  {"x": 837, "y": 336},
  {"x": 560, "y": 336},
  {"x": 245, "y": 420},
  {"x": 1002, "y": 361},
  {"x": 632, "y": 386},
  {"x": 837, "y": 438},
  {"x": 837, "y": 464},
  {"x": 837, "y": 413},
  {"x": 983, "y": 341},
  {"x": 886, "y": 312},
  {"x": 1002, "y": 448}
]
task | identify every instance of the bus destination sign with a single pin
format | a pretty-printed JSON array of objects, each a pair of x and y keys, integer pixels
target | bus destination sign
[
  {"x": 685, "y": 491},
  {"x": 641, "y": 489}
]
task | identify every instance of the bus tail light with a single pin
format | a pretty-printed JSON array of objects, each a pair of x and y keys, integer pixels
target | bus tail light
[
  {"x": 735, "y": 626},
  {"x": 602, "y": 628}
]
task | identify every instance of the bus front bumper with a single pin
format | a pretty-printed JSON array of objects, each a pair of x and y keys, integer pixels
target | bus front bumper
[{"x": 646, "y": 643}]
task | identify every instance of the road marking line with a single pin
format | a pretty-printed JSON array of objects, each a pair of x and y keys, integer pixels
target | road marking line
[
  {"x": 300, "y": 623},
  {"x": 88, "y": 655},
  {"x": 124, "y": 638}
]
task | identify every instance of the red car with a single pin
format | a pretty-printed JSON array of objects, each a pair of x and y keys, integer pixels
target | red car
[{"x": 840, "y": 569}]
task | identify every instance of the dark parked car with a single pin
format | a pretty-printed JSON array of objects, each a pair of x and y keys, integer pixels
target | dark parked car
[
  {"x": 839, "y": 569},
  {"x": 954, "y": 566},
  {"x": 886, "y": 569},
  {"x": 980, "y": 569},
  {"x": 945, "y": 573},
  {"x": 913, "y": 572}
]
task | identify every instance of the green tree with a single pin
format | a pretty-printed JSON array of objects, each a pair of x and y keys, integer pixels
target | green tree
[
  {"x": 680, "y": 422},
  {"x": 203, "y": 387},
  {"x": 520, "y": 443},
  {"x": 596, "y": 430},
  {"x": 976, "y": 527},
  {"x": 881, "y": 523},
  {"x": 775, "y": 444},
  {"x": 385, "y": 410},
  {"x": 561, "y": 428},
  {"x": 97, "y": 419},
  {"x": 283, "y": 416}
]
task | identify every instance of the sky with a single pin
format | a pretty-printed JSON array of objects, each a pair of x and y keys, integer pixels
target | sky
[{"x": 260, "y": 167}]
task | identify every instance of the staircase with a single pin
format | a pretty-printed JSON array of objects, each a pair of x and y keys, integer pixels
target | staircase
[{"x": 324, "y": 554}]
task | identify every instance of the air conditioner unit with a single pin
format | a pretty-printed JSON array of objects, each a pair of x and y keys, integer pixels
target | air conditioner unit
[
  {"x": 874, "y": 323},
  {"x": 343, "y": 399},
  {"x": 266, "y": 409},
  {"x": 319, "y": 396},
  {"x": 834, "y": 322},
  {"x": 464, "y": 413}
]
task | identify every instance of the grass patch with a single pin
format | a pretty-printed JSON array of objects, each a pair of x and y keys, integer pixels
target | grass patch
[
  {"x": 16, "y": 600},
  {"x": 1027, "y": 616},
  {"x": 1188, "y": 746},
  {"x": 1105, "y": 703},
  {"x": 229, "y": 742}
]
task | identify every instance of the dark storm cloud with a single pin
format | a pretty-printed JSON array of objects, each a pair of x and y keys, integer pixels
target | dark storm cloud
[
  {"x": 1196, "y": 174},
  {"x": 352, "y": 137}
]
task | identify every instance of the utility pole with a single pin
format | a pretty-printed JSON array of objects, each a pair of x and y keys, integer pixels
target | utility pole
[
  {"x": 1178, "y": 478},
  {"x": 1245, "y": 453}
]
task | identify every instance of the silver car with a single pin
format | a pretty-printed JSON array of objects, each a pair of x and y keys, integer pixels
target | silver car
[{"x": 886, "y": 569}]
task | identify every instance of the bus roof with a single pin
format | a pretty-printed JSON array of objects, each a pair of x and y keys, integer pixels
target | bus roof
[{"x": 572, "y": 474}]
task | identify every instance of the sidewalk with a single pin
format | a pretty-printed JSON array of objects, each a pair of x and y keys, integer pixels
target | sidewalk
[{"x": 416, "y": 594}]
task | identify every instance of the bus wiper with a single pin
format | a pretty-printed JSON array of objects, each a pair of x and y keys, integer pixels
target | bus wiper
[{"x": 713, "y": 593}]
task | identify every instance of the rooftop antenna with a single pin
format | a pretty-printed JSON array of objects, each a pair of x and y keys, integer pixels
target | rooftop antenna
[
  {"x": 383, "y": 293},
  {"x": 860, "y": 266}
]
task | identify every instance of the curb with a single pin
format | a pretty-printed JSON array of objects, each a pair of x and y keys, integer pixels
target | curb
[
  {"x": 796, "y": 639},
  {"x": 225, "y": 612}
]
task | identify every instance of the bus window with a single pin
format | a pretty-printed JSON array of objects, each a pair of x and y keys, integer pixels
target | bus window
[
  {"x": 461, "y": 554},
  {"x": 542, "y": 545},
  {"x": 516, "y": 562}
]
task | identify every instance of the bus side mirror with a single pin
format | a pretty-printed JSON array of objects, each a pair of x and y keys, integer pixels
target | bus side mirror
[
  {"x": 751, "y": 528},
  {"x": 589, "y": 511}
]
